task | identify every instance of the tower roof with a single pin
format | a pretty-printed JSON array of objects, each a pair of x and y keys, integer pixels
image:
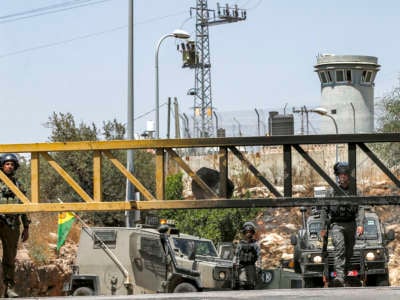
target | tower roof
[{"x": 323, "y": 60}]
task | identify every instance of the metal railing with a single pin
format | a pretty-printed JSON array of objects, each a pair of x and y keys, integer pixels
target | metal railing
[{"x": 102, "y": 150}]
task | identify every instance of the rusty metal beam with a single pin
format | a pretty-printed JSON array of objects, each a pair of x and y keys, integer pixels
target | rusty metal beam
[
  {"x": 35, "y": 186},
  {"x": 97, "y": 186},
  {"x": 380, "y": 165},
  {"x": 318, "y": 169},
  {"x": 200, "y": 142},
  {"x": 287, "y": 171},
  {"x": 64, "y": 175},
  {"x": 223, "y": 172},
  {"x": 13, "y": 188},
  {"x": 197, "y": 204},
  {"x": 352, "y": 159},
  {"x": 160, "y": 174},
  {"x": 192, "y": 174},
  {"x": 161, "y": 146},
  {"x": 138, "y": 185},
  {"x": 255, "y": 172}
]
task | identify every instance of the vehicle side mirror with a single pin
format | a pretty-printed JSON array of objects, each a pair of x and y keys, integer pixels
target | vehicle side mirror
[
  {"x": 293, "y": 240},
  {"x": 389, "y": 236}
]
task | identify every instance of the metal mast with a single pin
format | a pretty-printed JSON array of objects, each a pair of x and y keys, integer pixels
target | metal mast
[{"x": 203, "y": 107}]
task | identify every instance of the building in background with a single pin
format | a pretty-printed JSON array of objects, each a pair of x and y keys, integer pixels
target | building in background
[
  {"x": 347, "y": 92},
  {"x": 280, "y": 124}
]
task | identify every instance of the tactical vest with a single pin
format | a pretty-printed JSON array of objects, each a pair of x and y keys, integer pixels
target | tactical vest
[
  {"x": 248, "y": 253},
  {"x": 6, "y": 195},
  {"x": 343, "y": 213}
]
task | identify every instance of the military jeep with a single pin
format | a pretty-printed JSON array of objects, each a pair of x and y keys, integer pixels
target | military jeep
[
  {"x": 142, "y": 259},
  {"x": 369, "y": 263}
]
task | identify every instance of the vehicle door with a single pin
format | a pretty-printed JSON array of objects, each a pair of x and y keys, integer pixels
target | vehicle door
[{"x": 148, "y": 260}]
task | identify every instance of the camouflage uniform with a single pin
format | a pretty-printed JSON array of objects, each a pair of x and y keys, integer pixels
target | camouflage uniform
[
  {"x": 342, "y": 221},
  {"x": 10, "y": 232},
  {"x": 247, "y": 253}
]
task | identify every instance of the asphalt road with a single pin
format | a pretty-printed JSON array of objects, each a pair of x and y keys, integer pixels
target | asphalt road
[{"x": 370, "y": 293}]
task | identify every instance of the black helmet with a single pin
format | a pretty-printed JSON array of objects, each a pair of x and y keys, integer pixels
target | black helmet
[
  {"x": 9, "y": 157},
  {"x": 248, "y": 226},
  {"x": 341, "y": 168}
]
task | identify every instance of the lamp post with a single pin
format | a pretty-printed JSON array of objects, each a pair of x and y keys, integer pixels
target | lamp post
[
  {"x": 130, "y": 189},
  {"x": 323, "y": 112},
  {"x": 180, "y": 34}
]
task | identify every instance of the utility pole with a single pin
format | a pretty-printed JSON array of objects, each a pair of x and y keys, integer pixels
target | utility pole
[
  {"x": 198, "y": 57},
  {"x": 130, "y": 189}
]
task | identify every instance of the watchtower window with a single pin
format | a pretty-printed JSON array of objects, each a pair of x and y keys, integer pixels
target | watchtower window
[
  {"x": 366, "y": 77},
  {"x": 340, "y": 76},
  {"x": 348, "y": 75},
  {"x": 325, "y": 77}
]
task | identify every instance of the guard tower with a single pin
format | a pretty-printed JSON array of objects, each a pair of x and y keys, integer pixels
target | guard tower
[{"x": 347, "y": 92}]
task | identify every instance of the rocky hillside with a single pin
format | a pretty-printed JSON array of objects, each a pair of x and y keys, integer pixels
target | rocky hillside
[{"x": 41, "y": 271}]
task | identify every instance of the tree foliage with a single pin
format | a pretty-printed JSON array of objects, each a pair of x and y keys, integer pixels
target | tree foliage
[
  {"x": 79, "y": 164},
  {"x": 389, "y": 121},
  {"x": 220, "y": 225}
]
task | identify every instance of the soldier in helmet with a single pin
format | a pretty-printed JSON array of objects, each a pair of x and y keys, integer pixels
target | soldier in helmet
[
  {"x": 247, "y": 253},
  {"x": 10, "y": 224},
  {"x": 344, "y": 222}
]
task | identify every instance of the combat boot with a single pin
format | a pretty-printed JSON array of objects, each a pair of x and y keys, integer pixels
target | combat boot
[
  {"x": 338, "y": 282},
  {"x": 9, "y": 292}
]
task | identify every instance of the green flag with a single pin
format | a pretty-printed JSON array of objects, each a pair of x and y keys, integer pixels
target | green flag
[{"x": 65, "y": 221}]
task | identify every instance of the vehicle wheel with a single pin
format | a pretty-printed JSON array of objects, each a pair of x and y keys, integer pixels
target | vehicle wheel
[
  {"x": 309, "y": 283},
  {"x": 185, "y": 287},
  {"x": 379, "y": 280},
  {"x": 83, "y": 291}
]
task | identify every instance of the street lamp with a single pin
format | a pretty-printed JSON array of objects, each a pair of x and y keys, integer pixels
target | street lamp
[
  {"x": 179, "y": 34},
  {"x": 323, "y": 112}
]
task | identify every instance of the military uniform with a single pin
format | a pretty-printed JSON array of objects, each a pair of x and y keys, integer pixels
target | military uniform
[
  {"x": 247, "y": 254},
  {"x": 10, "y": 232},
  {"x": 342, "y": 220}
]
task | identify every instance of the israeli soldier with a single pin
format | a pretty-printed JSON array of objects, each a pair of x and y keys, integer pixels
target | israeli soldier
[
  {"x": 247, "y": 253},
  {"x": 344, "y": 222},
  {"x": 10, "y": 224}
]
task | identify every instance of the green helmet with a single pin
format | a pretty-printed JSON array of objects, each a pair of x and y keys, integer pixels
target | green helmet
[
  {"x": 9, "y": 157},
  {"x": 341, "y": 168},
  {"x": 248, "y": 226}
]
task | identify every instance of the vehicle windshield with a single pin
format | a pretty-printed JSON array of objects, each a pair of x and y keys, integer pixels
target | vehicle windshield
[
  {"x": 314, "y": 228},
  {"x": 186, "y": 246},
  {"x": 370, "y": 229}
]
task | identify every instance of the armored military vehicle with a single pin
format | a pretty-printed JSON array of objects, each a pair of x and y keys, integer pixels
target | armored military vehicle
[
  {"x": 282, "y": 277},
  {"x": 142, "y": 259},
  {"x": 369, "y": 263}
]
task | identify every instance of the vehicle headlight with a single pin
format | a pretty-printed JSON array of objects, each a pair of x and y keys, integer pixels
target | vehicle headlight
[
  {"x": 317, "y": 259},
  {"x": 370, "y": 256},
  {"x": 222, "y": 275}
]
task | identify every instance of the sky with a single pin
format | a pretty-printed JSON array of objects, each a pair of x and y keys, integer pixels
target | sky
[{"x": 75, "y": 60}]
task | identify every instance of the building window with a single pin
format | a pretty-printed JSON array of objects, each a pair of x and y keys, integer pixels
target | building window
[
  {"x": 322, "y": 77},
  {"x": 329, "y": 76},
  {"x": 325, "y": 77},
  {"x": 348, "y": 75},
  {"x": 367, "y": 77},
  {"x": 340, "y": 76}
]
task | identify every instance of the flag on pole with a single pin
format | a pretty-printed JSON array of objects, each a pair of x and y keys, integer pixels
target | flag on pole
[{"x": 65, "y": 221}]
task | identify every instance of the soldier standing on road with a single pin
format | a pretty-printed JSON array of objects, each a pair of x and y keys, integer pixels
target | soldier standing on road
[
  {"x": 10, "y": 224},
  {"x": 343, "y": 221},
  {"x": 246, "y": 255}
]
